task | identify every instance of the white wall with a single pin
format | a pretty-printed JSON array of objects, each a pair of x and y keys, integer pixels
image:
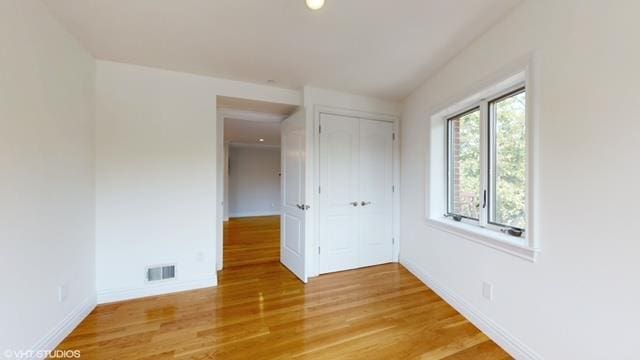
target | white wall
[
  {"x": 156, "y": 194},
  {"x": 254, "y": 181},
  {"x": 46, "y": 178},
  {"x": 579, "y": 300}
]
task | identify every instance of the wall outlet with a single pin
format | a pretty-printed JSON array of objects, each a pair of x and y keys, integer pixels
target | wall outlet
[
  {"x": 62, "y": 293},
  {"x": 487, "y": 291}
]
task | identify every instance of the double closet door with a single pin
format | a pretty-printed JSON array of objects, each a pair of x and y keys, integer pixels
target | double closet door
[{"x": 356, "y": 192}]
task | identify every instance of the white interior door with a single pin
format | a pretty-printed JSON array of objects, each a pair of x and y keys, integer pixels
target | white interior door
[
  {"x": 294, "y": 208},
  {"x": 376, "y": 192},
  {"x": 339, "y": 148},
  {"x": 356, "y": 197}
]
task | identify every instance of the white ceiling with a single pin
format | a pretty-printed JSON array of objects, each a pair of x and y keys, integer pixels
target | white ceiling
[
  {"x": 238, "y": 131},
  {"x": 247, "y": 121},
  {"x": 378, "y": 48}
]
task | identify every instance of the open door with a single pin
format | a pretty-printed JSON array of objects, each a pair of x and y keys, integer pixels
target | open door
[{"x": 294, "y": 207}]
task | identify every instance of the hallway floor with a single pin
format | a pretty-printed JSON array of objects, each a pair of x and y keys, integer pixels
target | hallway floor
[{"x": 261, "y": 311}]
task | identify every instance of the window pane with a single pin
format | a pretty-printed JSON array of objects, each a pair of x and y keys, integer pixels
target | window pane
[
  {"x": 464, "y": 165},
  {"x": 509, "y": 161}
]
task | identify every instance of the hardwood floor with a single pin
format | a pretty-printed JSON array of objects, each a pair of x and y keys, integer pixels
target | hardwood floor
[
  {"x": 261, "y": 311},
  {"x": 250, "y": 241}
]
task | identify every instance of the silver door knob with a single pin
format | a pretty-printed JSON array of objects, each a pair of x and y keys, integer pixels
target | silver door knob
[
  {"x": 365, "y": 203},
  {"x": 354, "y": 203}
]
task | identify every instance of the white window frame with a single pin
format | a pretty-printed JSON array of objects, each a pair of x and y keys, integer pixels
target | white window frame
[
  {"x": 448, "y": 173},
  {"x": 482, "y": 231},
  {"x": 488, "y": 182}
]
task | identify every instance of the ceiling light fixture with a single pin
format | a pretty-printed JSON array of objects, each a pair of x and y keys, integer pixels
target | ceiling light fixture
[
  {"x": 261, "y": 140},
  {"x": 315, "y": 4}
]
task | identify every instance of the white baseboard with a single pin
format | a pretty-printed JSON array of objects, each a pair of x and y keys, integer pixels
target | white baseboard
[
  {"x": 56, "y": 335},
  {"x": 108, "y": 296},
  {"x": 254, "y": 214},
  {"x": 497, "y": 333}
]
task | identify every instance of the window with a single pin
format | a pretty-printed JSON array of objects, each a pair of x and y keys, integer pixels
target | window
[
  {"x": 507, "y": 154},
  {"x": 481, "y": 164},
  {"x": 463, "y": 163},
  {"x": 486, "y": 158}
]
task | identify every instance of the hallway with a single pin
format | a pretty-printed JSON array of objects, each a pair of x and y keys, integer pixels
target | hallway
[
  {"x": 250, "y": 241},
  {"x": 262, "y": 311}
]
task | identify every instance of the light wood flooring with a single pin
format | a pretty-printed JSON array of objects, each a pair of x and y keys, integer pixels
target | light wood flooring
[{"x": 261, "y": 311}]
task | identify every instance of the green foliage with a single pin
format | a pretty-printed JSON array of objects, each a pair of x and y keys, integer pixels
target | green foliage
[
  {"x": 469, "y": 162},
  {"x": 509, "y": 161}
]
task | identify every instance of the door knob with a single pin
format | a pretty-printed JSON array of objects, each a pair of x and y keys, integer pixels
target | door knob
[
  {"x": 365, "y": 203},
  {"x": 354, "y": 203}
]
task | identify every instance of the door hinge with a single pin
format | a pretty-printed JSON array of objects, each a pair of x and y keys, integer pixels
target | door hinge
[
  {"x": 319, "y": 129},
  {"x": 318, "y": 250},
  {"x": 319, "y": 190},
  {"x": 393, "y": 136},
  {"x": 393, "y": 241},
  {"x": 393, "y": 188}
]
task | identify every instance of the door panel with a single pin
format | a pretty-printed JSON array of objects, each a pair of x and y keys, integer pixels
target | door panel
[
  {"x": 292, "y": 226},
  {"x": 293, "y": 218},
  {"x": 375, "y": 191},
  {"x": 338, "y": 180}
]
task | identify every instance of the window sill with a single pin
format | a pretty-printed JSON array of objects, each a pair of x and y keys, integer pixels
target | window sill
[{"x": 493, "y": 239}]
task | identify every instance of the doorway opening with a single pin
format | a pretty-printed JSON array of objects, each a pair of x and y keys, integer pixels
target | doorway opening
[{"x": 249, "y": 155}]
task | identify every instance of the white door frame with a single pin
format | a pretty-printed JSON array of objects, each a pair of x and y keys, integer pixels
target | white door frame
[
  {"x": 220, "y": 158},
  {"x": 313, "y": 242}
]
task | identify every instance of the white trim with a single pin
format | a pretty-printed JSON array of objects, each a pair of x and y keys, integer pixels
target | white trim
[
  {"x": 221, "y": 170},
  {"x": 324, "y": 109},
  {"x": 396, "y": 186},
  {"x": 521, "y": 71},
  {"x": 254, "y": 214},
  {"x": 313, "y": 242},
  {"x": 59, "y": 332},
  {"x": 505, "y": 339},
  {"x": 149, "y": 289}
]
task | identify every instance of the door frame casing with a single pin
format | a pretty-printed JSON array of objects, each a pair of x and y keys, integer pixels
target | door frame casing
[
  {"x": 220, "y": 184},
  {"x": 313, "y": 241}
]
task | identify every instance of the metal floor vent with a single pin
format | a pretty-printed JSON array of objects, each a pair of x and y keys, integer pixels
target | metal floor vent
[{"x": 158, "y": 273}]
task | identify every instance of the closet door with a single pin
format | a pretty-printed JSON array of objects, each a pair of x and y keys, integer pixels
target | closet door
[
  {"x": 375, "y": 174},
  {"x": 339, "y": 201}
]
